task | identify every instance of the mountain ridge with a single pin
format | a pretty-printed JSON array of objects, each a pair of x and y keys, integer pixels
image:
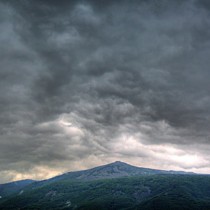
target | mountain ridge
[
  {"x": 111, "y": 170},
  {"x": 117, "y": 169},
  {"x": 116, "y": 185}
]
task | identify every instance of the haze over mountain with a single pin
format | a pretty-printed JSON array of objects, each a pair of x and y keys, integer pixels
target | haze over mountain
[{"x": 87, "y": 82}]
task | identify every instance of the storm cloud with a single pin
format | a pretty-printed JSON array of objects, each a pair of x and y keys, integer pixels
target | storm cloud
[{"x": 90, "y": 82}]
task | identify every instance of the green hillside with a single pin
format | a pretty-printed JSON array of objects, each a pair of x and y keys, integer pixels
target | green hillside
[
  {"x": 13, "y": 187},
  {"x": 143, "y": 192}
]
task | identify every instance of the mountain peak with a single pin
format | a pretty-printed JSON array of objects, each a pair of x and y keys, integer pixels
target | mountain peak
[
  {"x": 117, "y": 163},
  {"x": 112, "y": 170}
]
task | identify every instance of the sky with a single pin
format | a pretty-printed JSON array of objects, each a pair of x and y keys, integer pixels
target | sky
[{"x": 85, "y": 83}]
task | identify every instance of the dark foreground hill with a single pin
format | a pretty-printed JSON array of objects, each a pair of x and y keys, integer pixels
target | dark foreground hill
[{"x": 101, "y": 188}]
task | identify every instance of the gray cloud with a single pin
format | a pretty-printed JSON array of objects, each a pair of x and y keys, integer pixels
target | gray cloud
[{"x": 99, "y": 81}]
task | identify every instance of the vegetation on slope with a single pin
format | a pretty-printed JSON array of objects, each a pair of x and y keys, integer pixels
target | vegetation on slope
[{"x": 142, "y": 192}]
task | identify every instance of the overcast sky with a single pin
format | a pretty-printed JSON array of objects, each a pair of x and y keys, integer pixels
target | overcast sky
[{"x": 85, "y": 83}]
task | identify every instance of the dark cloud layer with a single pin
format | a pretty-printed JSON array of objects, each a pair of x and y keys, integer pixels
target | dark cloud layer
[{"x": 88, "y": 82}]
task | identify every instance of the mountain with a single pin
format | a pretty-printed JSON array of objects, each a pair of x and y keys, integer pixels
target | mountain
[
  {"x": 114, "y": 186},
  {"x": 113, "y": 170},
  {"x": 109, "y": 171}
]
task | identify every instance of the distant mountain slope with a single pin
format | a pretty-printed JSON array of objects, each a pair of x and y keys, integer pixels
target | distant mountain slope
[
  {"x": 13, "y": 187},
  {"x": 112, "y": 170},
  {"x": 109, "y": 171},
  {"x": 114, "y": 186}
]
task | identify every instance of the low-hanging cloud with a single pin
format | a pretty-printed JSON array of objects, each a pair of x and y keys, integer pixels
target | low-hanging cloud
[{"x": 88, "y": 82}]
